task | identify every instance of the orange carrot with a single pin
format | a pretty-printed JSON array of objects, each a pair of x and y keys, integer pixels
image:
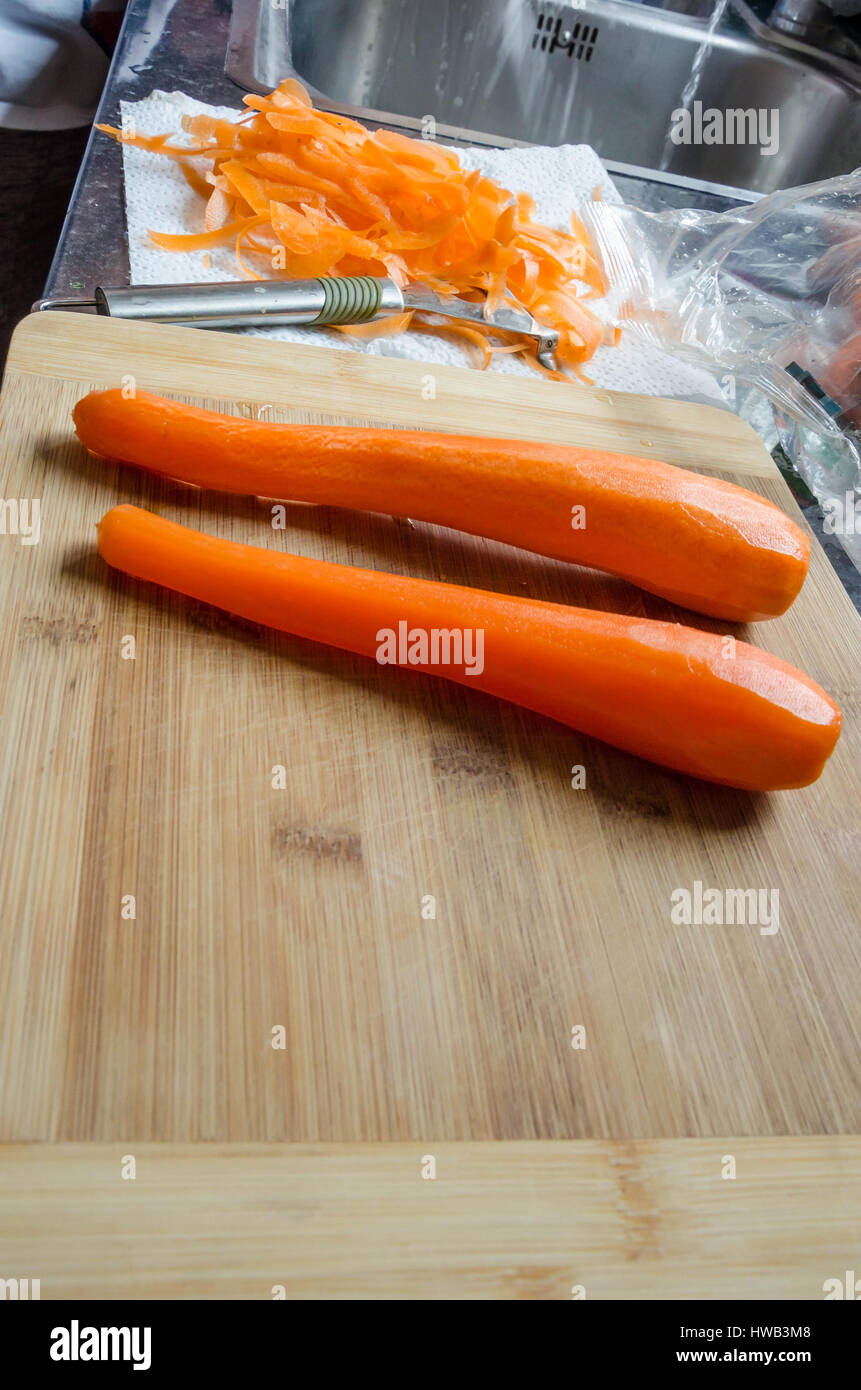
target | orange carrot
[
  {"x": 665, "y": 692},
  {"x": 706, "y": 544}
]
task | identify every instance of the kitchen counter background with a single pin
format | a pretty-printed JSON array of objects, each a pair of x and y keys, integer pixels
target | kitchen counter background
[{"x": 181, "y": 45}]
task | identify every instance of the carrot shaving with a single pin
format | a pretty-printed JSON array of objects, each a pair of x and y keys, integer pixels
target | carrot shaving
[
  {"x": 325, "y": 196},
  {"x": 245, "y": 269},
  {"x": 246, "y": 185},
  {"x": 194, "y": 180},
  {"x": 219, "y": 210},
  {"x": 201, "y": 241},
  {"x": 467, "y": 332},
  {"x": 377, "y": 328}
]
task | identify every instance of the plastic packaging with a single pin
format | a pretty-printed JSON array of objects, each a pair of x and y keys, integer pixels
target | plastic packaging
[{"x": 768, "y": 298}]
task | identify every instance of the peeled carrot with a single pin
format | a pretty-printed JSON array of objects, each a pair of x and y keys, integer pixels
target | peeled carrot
[
  {"x": 730, "y": 714},
  {"x": 706, "y": 544}
]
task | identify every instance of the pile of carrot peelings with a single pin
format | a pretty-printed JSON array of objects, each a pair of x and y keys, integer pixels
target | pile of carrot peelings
[{"x": 303, "y": 193}]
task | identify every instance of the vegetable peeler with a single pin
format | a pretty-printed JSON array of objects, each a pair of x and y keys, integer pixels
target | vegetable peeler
[{"x": 327, "y": 300}]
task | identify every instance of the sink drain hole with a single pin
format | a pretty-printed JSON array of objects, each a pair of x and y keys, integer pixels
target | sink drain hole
[{"x": 552, "y": 36}]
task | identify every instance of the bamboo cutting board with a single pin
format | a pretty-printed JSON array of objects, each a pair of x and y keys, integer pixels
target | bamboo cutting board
[
  {"x": 597, "y": 1219},
  {"x": 307, "y": 908}
]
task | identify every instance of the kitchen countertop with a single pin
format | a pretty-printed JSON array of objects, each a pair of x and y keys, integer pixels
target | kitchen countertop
[{"x": 180, "y": 45}]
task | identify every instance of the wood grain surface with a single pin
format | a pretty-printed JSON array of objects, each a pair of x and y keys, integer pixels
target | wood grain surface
[
  {"x": 301, "y": 908},
  {"x": 608, "y": 1220}
]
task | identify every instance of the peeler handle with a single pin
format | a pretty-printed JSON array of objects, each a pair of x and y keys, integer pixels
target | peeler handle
[{"x": 245, "y": 303}]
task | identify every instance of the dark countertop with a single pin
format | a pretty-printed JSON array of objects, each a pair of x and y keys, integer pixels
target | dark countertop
[
  {"x": 172, "y": 45},
  {"x": 180, "y": 45}
]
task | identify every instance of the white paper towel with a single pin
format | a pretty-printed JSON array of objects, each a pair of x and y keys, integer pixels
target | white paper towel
[{"x": 558, "y": 178}]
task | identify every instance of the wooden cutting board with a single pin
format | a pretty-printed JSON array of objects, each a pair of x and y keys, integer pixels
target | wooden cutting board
[
  {"x": 300, "y": 909},
  {"x": 648, "y": 1219}
]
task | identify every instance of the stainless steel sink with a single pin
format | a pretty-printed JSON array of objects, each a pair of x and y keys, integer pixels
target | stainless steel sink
[{"x": 609, "y": 74}]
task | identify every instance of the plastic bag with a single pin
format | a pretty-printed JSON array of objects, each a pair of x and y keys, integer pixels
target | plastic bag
[{"x": 768, "y": 298}]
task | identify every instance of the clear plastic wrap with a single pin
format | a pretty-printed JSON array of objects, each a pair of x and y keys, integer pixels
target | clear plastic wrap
[{"x": 768, "y": 298}]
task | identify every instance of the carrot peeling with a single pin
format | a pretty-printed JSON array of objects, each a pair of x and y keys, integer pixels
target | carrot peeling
[{"x": 339, "y": 199}]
